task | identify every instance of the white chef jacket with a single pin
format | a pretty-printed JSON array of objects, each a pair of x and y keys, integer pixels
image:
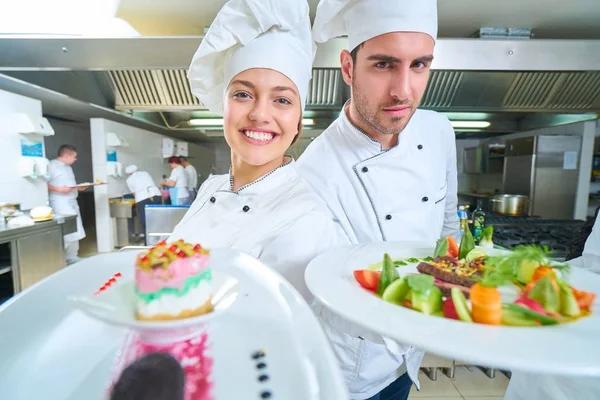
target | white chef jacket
[
  {"x": 406, "y": 193},
  {"x": 527, "y": 386},
  {"x": 192, "y": 177},
  {"x": 62, "y": 174},
  {"x": 141, "y": 184},
  {"x": 277, "y": 219},
  {"x": 181, "y": 182}
]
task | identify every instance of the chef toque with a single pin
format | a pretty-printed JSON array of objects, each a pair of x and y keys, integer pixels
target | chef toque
[
  {"x": 245, "y": 34},
  {"x": 362, "y": 20},
  {"x": 131, "y": 169}
]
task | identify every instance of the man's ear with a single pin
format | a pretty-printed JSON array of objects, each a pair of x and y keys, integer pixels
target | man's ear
[{"x": 347, "y": 66}]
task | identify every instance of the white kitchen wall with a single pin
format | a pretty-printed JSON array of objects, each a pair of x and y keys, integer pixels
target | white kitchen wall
[
  {"x": 14, "y": 188},
  {"x": 144, "y": 150}
]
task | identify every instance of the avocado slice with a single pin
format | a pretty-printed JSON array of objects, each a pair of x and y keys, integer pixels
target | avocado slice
[
  {"x": 428, "y": 303},
  {"x": 396, "y": 291},
  {"x": 568, "y": 304},
  {"x": 460, "y": 304},
  {"x": 526, "y": 270},
  {"x": 546, "y": 294}
]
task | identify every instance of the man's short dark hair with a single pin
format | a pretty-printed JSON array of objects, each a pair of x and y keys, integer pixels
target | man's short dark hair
[
  {"x": 65, "y": 149},
  {"x": 182, "y": 158},
  {"x": 354, "y": 54}
]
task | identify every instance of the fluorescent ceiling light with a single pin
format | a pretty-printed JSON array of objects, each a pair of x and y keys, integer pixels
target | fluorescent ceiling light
[
  {"x": 219, "y": 121},
  {"x": 470, "y": 124}
]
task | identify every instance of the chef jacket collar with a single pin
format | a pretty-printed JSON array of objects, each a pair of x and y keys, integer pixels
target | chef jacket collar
[{"x": 267, "y": 182}]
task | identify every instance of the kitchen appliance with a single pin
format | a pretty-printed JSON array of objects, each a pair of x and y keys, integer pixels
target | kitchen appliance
[
  {"x": 557, "y": 234},
  {"x": 545, "y": 169},
  {"x": 487, "y": 158},
  {"x": 510, "y": 204}
]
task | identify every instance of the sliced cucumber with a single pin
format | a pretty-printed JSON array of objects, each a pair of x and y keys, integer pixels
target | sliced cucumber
[
  {"x": 396, "y": 292},
  {"x": 517, "y": 318},
  {"x": 545, "y": 320},
  {"x": 460, "y": 304}
]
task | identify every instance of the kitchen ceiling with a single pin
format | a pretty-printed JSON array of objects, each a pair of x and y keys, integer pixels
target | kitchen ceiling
[
  {"x": 514, "y": 84},
  {"x": 551, "y": 19}
]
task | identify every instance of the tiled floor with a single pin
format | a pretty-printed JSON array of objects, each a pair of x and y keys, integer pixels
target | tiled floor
[{"x": 469, "y": 383}]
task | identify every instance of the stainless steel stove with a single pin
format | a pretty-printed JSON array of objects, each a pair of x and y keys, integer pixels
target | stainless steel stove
[{"x": 557, "y": 234}]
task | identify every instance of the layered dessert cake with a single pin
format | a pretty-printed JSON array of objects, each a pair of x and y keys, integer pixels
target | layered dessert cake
[{"x": 173, "y": 281}]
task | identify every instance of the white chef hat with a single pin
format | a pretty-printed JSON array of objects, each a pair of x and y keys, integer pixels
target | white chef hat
[
  {"x": 362, "y": 20},
  {"x": 245, "y": 34},
  {"x": 130, "y": 169}
]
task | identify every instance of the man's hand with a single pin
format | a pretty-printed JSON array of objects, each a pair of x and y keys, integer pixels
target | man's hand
[
  {"x": 64, "y": 189},
  {"x": 82, "y": 188}
]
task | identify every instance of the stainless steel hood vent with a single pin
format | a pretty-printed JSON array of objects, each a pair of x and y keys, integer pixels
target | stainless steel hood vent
[
  {"x": 442, "y": 88},
  {"x": 554, "y": 90},
  {"x": 156, "y": 90},
  {"x": 169, "y": 90}
]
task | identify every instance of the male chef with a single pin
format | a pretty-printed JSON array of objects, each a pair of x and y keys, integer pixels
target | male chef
[
  {"x": 192, "y": 178},
  {"x": 63, "y": 196},
  {"x": 386, "y": 170},
  {"x": 144, "y": 190}
]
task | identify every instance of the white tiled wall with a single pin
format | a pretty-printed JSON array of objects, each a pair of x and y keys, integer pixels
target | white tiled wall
[{"x": 14, "y": 188}]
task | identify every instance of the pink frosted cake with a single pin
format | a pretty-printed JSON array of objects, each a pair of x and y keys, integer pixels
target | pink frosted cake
[{"x": 173, "y": 282}]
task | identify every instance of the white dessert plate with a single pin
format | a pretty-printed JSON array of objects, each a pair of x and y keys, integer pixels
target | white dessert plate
[
  {"x": 116, "y": 306},
  {"x": 566, "y": 349},
  {"x": 52, "y": 350}
]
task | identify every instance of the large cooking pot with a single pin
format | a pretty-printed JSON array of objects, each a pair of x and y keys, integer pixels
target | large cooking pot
[{"x": 510, "y": 204}]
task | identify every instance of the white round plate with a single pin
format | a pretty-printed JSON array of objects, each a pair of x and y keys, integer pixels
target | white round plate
[
  {"x": 116, "y": 306},
  {"x": 569, "y": 349}
]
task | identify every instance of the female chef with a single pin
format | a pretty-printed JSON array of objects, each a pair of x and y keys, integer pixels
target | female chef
[{"x": 253, "y": 67}]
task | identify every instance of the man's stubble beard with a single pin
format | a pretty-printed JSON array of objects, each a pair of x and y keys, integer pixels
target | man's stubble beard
[{"x": 373, "y": 120}]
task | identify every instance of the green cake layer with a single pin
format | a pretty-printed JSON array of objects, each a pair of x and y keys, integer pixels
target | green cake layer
[{"x": 190, "y": 283}]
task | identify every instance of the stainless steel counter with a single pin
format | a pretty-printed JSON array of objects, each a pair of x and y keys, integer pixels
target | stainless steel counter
[
  {"x": 161, "y": 220},
  {"x": 36, "y": 251}
]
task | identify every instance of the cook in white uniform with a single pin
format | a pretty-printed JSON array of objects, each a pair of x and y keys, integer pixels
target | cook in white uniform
[
  {"x": 177, "y": 182},
  {"x": 63, "y": 196},
  {"x": 385, "y": 169},
  {"x": 192, "y": 178},
  {"x": 254, "y": 66},
  {"x": 144, "y": 190},
  {"x": 527, "y": 386}
]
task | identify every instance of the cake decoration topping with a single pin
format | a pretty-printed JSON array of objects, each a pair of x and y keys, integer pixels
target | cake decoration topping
[{"x": 161, "y": 255}]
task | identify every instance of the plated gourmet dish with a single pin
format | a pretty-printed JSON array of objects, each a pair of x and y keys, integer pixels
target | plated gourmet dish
[{"x": 523, "y": 287}]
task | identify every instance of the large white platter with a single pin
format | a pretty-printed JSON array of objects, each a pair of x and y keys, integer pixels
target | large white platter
[
  {"x": 51, "y": 350},
  {"x": 569, "y": 349}
]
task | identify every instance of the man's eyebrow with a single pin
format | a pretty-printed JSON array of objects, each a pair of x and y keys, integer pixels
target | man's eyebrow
[
  {"x": 424, "y": 59},
  {"x": 392, "y": 59},
  {"x": 383, "y": 58}
]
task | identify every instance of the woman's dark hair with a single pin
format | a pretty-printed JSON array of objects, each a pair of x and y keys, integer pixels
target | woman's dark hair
[
  {"x": 155, "y": 376},
  {"x": 174, "y": 160},
  {"x": 576, "y": 247}
]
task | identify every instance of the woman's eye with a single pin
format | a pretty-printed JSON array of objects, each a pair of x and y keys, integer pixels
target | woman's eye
[
  {"x": 283, "y": 101},
  {"x": 241, "y": 95}
]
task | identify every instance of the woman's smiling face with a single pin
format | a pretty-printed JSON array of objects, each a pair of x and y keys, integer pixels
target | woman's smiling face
[{"x": 262, "y": 114}]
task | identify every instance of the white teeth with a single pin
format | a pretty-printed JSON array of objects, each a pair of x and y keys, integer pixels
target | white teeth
[{"x": 263, "y": 136}]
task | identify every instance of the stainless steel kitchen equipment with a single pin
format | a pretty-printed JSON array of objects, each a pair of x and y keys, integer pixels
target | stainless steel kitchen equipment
[
  {"x": 546, "y": 169},
  {"x": 558, "y": 234},
  {"x": 510, "y": 204},
  {"x": 487, "y": 158},
  {"x": 161, "y": 221},
  {"x": 122, "y": 211}
]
